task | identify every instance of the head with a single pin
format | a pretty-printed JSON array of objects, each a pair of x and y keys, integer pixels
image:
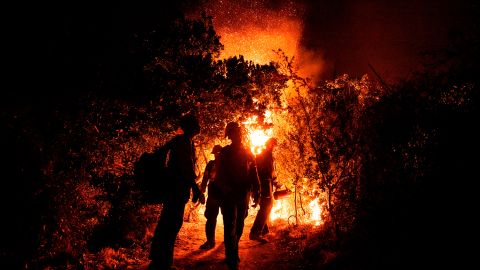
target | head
[
  {"x": 233, "y": 131},
  {"x": 190, "y": 125},
  {"x": 216, "y": 150}
]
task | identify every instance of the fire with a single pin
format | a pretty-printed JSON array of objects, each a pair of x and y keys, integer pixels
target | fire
[
  {"x": 256, "y": 29},
  {"x": 280, "y": 210},
  {"x": 256, "y": 132},
  {"x": 316, "y": 211},
  {"x": 257, "y": 43},
  {"x": 284, "y": 209},
  {"x": 258, "y": 138}
]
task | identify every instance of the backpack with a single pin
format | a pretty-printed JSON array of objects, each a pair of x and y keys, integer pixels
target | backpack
[{"x": 150, "y": 172}]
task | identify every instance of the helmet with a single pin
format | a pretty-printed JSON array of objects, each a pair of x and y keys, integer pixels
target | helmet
[
  {"x": 231, "y": 129},
  {"x": 216, "y": 149}
]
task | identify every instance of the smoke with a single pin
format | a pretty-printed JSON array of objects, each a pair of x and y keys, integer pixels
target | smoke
[
  {"x": 257, "y": 29},
  {"x": 332, "y": 37},
  {"x": 389, "y": 35}
]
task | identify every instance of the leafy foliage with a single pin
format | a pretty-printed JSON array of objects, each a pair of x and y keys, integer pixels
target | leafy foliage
[
  {"x": 377, "y": 158},
  {"x": 326, "y": 127},
  {"x": 91, "y": 147}
]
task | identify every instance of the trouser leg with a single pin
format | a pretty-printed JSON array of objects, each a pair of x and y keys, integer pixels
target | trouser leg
[
  {"x": 262, "y": 217},
  {"x": 229, "y": 213},
  {"x": 265, "y": 229},
  {"x": 210, "y": 229},
  {"x": 211, "y": 213},
  {"x": 169, "y": 224},
  {"x": 242, "y": 213},
  {"x": 268, "y": 210}
]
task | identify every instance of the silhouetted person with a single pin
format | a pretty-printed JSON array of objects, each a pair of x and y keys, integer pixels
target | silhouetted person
[
  {"x": 236, "y": 179},
  {"x": 181, "y": 166},
  {"x": 213, "y": 200},
  {"x": 266, "y": 173}
]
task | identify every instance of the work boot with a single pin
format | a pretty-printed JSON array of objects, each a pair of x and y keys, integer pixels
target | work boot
[
  {"x": 265, "y": 230},
  {"x": 154, "y": 265},
  {"x": 258, "y": 238},
  {"x": 232, "y": 265},
  {"x": 207, "y": 245}
]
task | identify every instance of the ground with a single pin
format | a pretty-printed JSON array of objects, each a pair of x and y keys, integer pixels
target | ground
[{"x": 283, "y": 251}]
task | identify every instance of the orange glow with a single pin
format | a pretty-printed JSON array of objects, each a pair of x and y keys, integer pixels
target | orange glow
[
  {"x": 315, "y": 212},
  {"x": 279, "y": 211},
  {"x": 256, "y": 133},
  {"x": 258, "y": 43},
  {"x": 258, "y": 138},
  {"x": 284, "y": 209},
  {"x": 255, "y": 29}
]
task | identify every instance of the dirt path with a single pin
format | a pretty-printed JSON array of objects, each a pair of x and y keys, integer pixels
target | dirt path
[{"x": 278, "y": 253}]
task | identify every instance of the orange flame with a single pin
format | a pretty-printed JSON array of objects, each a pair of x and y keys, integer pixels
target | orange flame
[
  {"x": 316, "y": 211},
  {"x": 258, "y": 43},
  {"x": 257, "y": 135},
  {"x": 279, "y": 210},
  {"x": 256, "y": 29}
]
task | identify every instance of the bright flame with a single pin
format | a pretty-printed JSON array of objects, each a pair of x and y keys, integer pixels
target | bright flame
[
  {"x": 276, "y": 212},
  {"x": 284, "y": 209},
  {"x": 258, "y": 29},
  {"x": 257, "y": 134},
  {"x": 255, "y": 29},
  {"x": 259, "y": 44},
  {"x": 315, "y": 212},
  {"x": 258, "y": 138}
]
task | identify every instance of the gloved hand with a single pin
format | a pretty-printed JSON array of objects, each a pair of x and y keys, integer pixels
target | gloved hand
[
  {"x": 195, "y": 197},
  {"x": 276, "y": 184},
  {"x": 198, "y": 196},
  {"x": 202, "y": 198}
]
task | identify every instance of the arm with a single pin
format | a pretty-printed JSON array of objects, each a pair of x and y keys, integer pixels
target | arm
[
  {"x": 255, "y": 181},
  {"x": 191, "y": 174},
  {"x": 197, "y": 193},
  {"x": 275, "y": 182},
  {"x": 206, "y": 177}
]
